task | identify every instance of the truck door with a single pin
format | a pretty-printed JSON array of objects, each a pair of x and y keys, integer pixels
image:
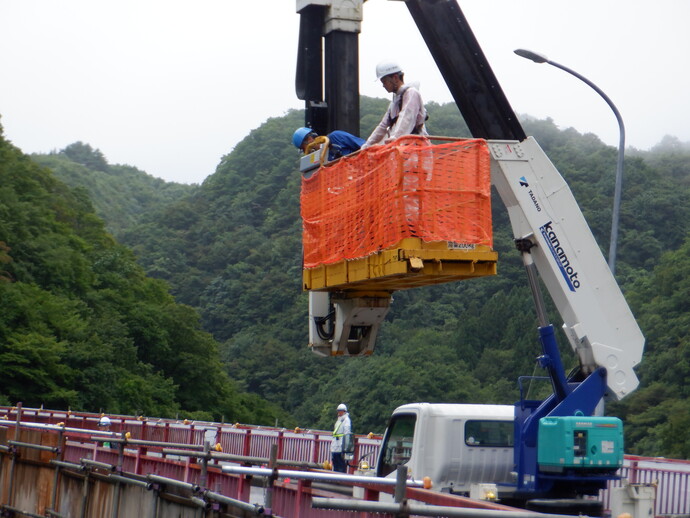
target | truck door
[{"x": 396, "y": 448}]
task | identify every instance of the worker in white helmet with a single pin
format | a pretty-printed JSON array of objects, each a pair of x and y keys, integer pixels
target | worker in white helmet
[
  {"x": 406, "y": 113},
  {"x": 342, "y": 431},
  {"x": 104, "y": 425}
]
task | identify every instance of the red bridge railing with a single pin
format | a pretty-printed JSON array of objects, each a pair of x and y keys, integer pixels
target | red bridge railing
[{"x": 671, "y": 477}]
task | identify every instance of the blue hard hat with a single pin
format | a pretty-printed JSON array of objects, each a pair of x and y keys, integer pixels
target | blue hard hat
[{"x": 299, "y": 136}]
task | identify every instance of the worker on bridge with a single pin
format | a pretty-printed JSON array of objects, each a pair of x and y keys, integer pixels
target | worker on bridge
[
  {"x": 342, "y": 433},
  {"x": 406, "y": 113},
  {"x": 104, "y": 425},
  {"x": 341, "y": 143}
]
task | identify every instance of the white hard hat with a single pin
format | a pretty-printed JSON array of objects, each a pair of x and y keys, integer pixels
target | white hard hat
[
  {"x": 105, "y": 421},
  {"x": 387, "y": 67},
  {"x": 342, "y": 407}
]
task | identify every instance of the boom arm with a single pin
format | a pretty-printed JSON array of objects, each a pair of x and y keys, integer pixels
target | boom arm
[{"x": 597, "y": 320}]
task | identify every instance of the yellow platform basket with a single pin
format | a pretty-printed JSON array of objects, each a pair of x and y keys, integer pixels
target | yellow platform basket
[{"x": 409, "y": 264}]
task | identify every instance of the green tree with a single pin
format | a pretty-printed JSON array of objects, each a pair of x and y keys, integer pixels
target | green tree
[
  {"x": 85, "y": 155},
  {"x": 80, "y": 323}
]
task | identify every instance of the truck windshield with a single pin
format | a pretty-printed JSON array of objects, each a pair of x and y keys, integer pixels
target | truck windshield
[
  {"x": 397, "y": 444},
  {"x": 489, "y": 433}
]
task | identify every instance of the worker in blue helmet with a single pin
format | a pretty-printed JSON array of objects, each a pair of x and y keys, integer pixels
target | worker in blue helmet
[{"x": 341, "y": 142}]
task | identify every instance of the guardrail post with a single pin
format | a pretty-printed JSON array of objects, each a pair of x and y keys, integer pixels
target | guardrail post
[
  {"x": 401, "y": 484},
  {"x": 246, "y": 447},
  {"x": 632, "y": 475},
  {"x": 14, "y": 454},
  {"x": 303, "y": 497},
  {"x": 187, "y": 466},
  {"x": 203, "y": 478},
  {"x": 190, "y": 434},
  {"x": 144, "y": 435},
  {"x": 355, "y": 454},
  {"x": 271, "y": 479},
  {"x": 315, "y": 451},
  {"x": 137, "y": 461},
  {"x": 281, "y": 443},
  {"x": 56, "y": 478}
]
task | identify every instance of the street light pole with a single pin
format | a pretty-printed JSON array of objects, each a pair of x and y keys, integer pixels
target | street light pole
[{"x": 540, "y": 58}]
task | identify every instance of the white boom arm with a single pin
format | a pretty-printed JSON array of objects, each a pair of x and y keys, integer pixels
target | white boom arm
[{"x": 597, "y": 320}]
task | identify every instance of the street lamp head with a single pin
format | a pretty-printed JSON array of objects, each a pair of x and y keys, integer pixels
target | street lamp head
[{"x": 534, "y": 56}]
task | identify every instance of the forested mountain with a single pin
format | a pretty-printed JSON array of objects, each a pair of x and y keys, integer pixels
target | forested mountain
[
  {"x": 232, "y": 250},
  {"x": 81, "y": 325},
  {"x": 121, "y": 194}
]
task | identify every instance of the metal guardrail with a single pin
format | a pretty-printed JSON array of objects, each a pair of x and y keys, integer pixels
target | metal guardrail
[
  {"x": 408, "y": 508},
  {"x": 320, "y": 476},
  {"x": 299, "y": 445},
  {"x": 116, "y": 468},
  {"x": 184, "y": 455},
  {"x": 671, "y": 478},
  {"x": 87, "y": 469}
]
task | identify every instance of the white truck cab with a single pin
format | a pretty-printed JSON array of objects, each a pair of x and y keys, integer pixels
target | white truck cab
[{"x": 456, "y": 445}]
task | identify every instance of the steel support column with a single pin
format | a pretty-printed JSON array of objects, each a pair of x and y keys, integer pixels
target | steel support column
[{"x": 342, "y": 81}]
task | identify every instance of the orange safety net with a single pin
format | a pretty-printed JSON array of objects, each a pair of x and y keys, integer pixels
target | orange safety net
[{"x": 369, "y": 201}]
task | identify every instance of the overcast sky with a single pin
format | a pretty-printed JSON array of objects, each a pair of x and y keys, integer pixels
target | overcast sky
[{"x": 170, "y": 86}]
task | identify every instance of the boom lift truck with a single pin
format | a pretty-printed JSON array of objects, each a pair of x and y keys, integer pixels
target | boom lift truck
[{"x": 562, "y": 449}]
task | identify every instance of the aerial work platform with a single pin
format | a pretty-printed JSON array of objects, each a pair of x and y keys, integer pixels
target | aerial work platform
[
  {"x": 399, "y": 216},
  {"x": 392, "y": 217}
]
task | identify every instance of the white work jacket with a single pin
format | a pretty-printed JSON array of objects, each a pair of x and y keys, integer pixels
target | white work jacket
[
  {"x": 343, "y": 426},
  {"x": 400, "y": 121}
]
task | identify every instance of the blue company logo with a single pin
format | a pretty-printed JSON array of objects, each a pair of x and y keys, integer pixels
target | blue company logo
[
  {"x": 568, "y": 272},
  {"x": 523, "y": 182}
]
